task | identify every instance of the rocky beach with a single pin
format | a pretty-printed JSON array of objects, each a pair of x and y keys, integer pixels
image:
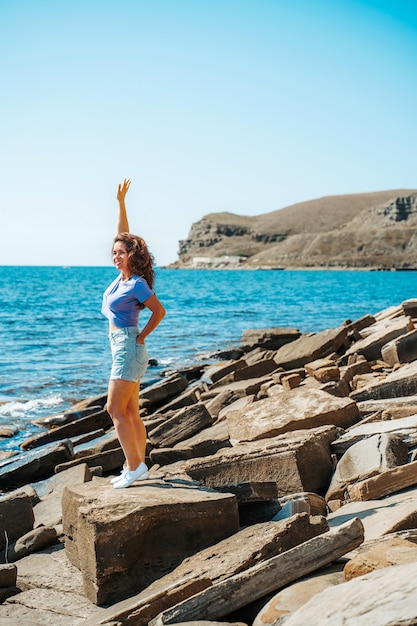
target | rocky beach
[{"x": 282, "y": 490}]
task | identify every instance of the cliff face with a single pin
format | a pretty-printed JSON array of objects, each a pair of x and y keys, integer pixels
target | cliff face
[{"x": 361, "y": 230}]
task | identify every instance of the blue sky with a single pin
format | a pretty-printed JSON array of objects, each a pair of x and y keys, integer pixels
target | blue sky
[{"x": 207, "y": 105}]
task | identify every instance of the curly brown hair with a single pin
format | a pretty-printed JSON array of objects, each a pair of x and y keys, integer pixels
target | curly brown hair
[{"x": 141, "y": 261}]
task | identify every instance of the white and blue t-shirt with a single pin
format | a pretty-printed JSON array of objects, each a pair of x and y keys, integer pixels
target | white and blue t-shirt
[{"x": 120, "y": 300}]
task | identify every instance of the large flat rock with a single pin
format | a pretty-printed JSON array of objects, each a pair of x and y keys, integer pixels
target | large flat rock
[
  {"x": 277, "y": 610},
  {"x": 310, "y": 347},
  {"x": 186, "y": 422},
  {"x": 390, "y": 481},
  {"x": 380, "y": 334},
  {"x": 204, "y": 443},
  {"x": 402, "y": 382},
  {"x": 387, "y": 404},
  {"x": 87, "y": 424},
  {"x": 164, "y": 390},
  {"x": 394, "y": 550},
  {"x": 122, "y": 540},
  {"x": 287, "y": 411},
  {"x": 51, "y": 592},
  {"x": 35, "y": 465},
  {"x": 368, "y": 457},
  {"x": 48, "y": 511},
  {"x": 251, "y": 545},
  {"x": 404, "y": 427},
  {"x": 240, "y": 590},
  {"x": 380, "y": 517},
  {"x": 269, "y": 338},
  {"x": 44, "y": 607},
  {"x": 297, "y": 461},
  {"x": 385, "y": 597},
  {"x": 400, "y": 350}
]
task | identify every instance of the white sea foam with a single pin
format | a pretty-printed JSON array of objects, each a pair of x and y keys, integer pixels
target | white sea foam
[
  {"x": 164, "y": 362},
  {"x": 18, "y": 409}
]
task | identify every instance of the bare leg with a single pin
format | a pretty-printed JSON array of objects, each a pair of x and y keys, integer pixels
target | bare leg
[
  {"x": 138, "y": 425},
  {"x": 123, "y": 407}
]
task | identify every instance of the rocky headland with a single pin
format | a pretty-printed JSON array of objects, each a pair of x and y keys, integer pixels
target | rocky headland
[
  {"x": 282, "y": 490},
  {"x": 362, "y": 231}
]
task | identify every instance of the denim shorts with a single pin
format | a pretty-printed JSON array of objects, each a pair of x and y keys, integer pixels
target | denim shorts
[{"x": 129, "y": 359}]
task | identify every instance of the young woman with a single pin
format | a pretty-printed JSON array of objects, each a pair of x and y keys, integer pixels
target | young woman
[{"x": 122, "y": 301}]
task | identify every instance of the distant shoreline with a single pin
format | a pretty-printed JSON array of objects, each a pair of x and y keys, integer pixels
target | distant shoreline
[{"x": 289, "y": 268}]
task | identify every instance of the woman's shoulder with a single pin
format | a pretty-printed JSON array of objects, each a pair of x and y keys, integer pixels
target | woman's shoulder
[
  {"x": 139, "y": 279},
  {"x": 141, "y": 284}
]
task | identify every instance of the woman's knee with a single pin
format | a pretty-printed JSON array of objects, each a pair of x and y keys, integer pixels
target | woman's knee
[
  {"x": 116, "y": 403},
  {"x": 114, "y": 408}
]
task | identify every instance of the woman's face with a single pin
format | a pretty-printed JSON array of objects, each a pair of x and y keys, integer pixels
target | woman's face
[{"x": 120, "y": 257}]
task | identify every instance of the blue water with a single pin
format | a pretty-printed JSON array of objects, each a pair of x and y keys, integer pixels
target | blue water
[{"x": 54, "y": 338}]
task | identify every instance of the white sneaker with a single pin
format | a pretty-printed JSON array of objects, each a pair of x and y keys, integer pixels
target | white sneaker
[
  {"x": 116, "y": 478},
  {"x": 129, "y": 477}
]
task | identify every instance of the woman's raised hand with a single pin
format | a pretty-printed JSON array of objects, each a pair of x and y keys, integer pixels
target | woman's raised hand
[
  {"x": 123, "y": 189},
  {"x": 122, "y": 221}
]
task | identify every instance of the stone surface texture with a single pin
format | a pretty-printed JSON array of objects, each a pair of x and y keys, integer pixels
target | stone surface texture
[
  {"x": 242, "y": 454},
  {"x": 367, "y": 458},
  {"x": 288, "y": 411},
  {"x": 149, "y": 528},
  {"x": 298, "y": 461},
  {"x": 384, "y": 597}
]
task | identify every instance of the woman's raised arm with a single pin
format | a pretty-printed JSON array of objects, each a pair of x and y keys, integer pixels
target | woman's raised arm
[{"x": 122, "y": 221}]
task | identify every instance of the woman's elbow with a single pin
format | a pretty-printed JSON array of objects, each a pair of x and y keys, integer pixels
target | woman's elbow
[{"x": 159, "y": 311}]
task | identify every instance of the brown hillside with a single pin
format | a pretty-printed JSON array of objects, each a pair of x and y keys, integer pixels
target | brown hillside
[
  {"x": 356, "y": 230},
  {"x": 325, "y": 213}
]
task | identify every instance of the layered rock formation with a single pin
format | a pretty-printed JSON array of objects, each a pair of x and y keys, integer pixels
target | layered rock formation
[
  {"x": 369, "y": 230},
  {"x": 282, "y": 489}
]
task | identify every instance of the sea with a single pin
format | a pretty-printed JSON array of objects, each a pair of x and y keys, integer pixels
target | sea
[{"x": 54, "y": 338}]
